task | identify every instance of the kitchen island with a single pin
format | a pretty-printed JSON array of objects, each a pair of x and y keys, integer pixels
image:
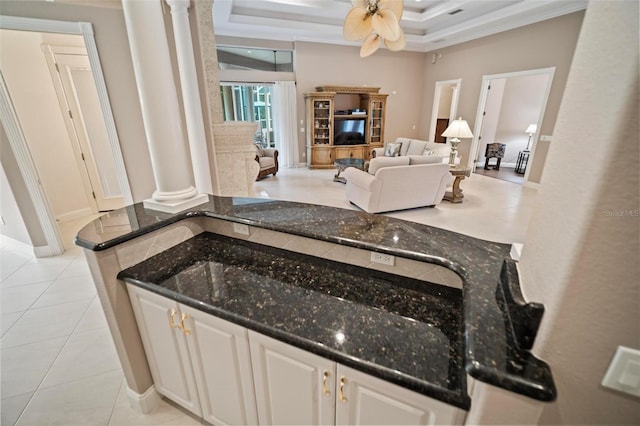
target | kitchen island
[{"x": 448, "y": 306}]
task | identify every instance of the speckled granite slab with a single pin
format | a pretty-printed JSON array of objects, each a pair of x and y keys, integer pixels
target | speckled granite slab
[
  {"x": 403, "y": 330},
  {"x": 490, "y": 349}
]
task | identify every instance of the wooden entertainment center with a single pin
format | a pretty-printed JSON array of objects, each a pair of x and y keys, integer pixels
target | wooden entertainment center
[{"x": 330, "y": 108}]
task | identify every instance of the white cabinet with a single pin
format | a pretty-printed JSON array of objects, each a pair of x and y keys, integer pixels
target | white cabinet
[
  {"x": 230, "y": 375},
  {"x": 294, "y": 386},
  {"x": 367, "y": 400},
  {"x": 197, "y": 360}
]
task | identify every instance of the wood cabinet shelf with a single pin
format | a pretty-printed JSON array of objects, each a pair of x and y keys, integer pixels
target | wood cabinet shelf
[{"x": 321, "y": 118}]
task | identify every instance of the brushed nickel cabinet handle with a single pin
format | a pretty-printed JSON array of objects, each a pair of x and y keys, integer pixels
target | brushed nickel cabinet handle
[
  {"x": 341, "y": 396},
  {"x": 182, "y": 326},
  {"x": 325, "y": 388}
]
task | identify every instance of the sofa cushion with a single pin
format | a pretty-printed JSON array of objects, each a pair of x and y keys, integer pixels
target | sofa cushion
[
  {"x": 392, "y": 149},
  {"x": 259, "y": 150},
  {"x": 424, "y": 159},
  {"x": 380, "y": 162},
  {"x": 416, "y": 147},
  {"x": 266, "y": 162}
]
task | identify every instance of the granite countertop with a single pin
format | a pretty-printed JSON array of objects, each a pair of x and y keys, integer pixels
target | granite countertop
[
  {"x": 399, "y": 329},
  {"x": 496, "y": 330}
]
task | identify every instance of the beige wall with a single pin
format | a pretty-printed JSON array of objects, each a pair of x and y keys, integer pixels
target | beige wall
[
  {"x": 15, "y": 199},
  {"x": 34, "y": 98},
  {"x": 581, "y": 253},
  {"x": 400, "y": 72},
  {"x": 115, "y": 58},
  {"x": 545, "y": 44}
]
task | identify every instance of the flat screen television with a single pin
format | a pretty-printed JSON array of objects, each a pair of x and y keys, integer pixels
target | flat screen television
[{"x": 348, "y": 132}]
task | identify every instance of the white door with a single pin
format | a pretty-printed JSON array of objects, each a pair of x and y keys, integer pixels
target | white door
[
  {"x": 367, "y": 400},
  {"x": 79, "y": 101},
  {"x": 166, "y": 348},
  {"x": 293, "y": 387},
  {"x": 222, "y": 364}
]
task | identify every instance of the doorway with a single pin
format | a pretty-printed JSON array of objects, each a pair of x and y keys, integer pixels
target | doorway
[
  {"x": 509, "y": 105},
  {"x": 445, "y": 108},
  {"x": 53, "y": 187}
]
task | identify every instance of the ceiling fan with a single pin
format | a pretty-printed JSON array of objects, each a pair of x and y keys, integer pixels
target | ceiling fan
[{"x": 376, "y": 21}]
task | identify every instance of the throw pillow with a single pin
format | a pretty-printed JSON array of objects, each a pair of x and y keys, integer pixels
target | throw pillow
[
  {"x": 428, "y": 152},
  {"x": 392, "y": 149},
  {"x": 416, "y": 148}
]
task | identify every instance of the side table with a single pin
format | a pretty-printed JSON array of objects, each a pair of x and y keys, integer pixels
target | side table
[{"x": 459, "y": 173}]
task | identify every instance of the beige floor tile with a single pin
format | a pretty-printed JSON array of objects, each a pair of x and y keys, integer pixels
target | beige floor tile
[
  {"x": 20, "y": 298},
  {"x": 66, "y": 290},
  {"x": 45, "y": 323},
  {"x": 7, "y": 321},
  {"x": 83, "y": 355},
  {"x": 24, "y": 367},
  {"x": 84, "y": 402},
  {"x": 11, "y": 408},
  {"x": 35, "y": 272},
  {"x": 93, "y": 318},
  {"x": 10, "y": 262}
]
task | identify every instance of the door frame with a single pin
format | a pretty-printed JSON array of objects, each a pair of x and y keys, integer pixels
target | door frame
[
  {"x": 16, "y": 137},
  {"x": 482, "y": 103},
  {"x": 453, "y": 108}
]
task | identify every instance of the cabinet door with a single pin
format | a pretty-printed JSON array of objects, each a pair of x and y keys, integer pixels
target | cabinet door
[
  {"x": 292, "y": 386},
  {"x": 222, "y": 364},
  {"x": 321, "y": 156},
  {"x": 367, "y": 400},
  {"x": 165, "y": 347}
]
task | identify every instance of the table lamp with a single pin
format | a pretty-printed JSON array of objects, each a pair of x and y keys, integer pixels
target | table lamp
[
  {"x": 531, "y": 130},
  {"x": 456, "y": 130}
]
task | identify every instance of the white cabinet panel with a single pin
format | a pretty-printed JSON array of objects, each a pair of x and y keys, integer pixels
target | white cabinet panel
[
  {"x": 292, "y": 386},
  {"x": 165, "y": 347},
  {"x": 220, "y": 356},
  {"x": 366, "y": 400}
]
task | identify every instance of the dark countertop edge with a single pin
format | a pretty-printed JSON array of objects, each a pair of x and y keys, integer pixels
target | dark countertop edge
[
  {"x": 510, "y": 382},
  {"x": 459, "y": 400},
  {"x": 455, "y": 267}
]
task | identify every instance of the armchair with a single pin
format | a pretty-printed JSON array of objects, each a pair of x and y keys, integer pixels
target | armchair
[{"x": 267, "y": 158}]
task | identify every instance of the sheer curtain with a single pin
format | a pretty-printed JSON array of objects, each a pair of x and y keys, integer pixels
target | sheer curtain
[{"x": 283, "y": 107}]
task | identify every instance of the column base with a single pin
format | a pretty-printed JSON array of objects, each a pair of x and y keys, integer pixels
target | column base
[{"x": 175, "y": 206}]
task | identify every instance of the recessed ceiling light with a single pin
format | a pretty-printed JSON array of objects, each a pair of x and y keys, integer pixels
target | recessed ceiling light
[{"x": 455, "y": 11}]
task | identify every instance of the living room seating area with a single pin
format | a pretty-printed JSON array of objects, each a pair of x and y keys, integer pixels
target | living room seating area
[{"x": 398, "y": 183}]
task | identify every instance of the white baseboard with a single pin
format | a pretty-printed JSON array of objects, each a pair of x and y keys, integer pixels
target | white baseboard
[
  {"x": 76, "y": 214},
  {"x": 144, "y": 403},
  {"x": 516, "y": 251},
  {"x": 505, "y": 165},
  {"x": 532, "y": 185}
]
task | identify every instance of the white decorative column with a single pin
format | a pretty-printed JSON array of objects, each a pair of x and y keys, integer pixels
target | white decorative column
[
  {"x": 160, "y": 110},
  {"x": 191, "y": 95}
]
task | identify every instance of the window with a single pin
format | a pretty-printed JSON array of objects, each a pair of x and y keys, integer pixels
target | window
[{"x": 250, "y": 102}]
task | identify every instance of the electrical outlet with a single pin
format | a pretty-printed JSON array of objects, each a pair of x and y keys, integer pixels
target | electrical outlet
[
  {"x": 240, "y": 228},
  {"x": 384, "y": 259}
]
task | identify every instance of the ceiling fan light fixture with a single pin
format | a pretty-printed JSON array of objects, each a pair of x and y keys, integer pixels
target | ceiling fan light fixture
[{"x": 375, "y": 21}]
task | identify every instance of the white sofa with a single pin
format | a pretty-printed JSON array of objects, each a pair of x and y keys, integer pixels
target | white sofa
[
  {"x": 417, "y": 147},
  {"x": 398, "y": 183}
]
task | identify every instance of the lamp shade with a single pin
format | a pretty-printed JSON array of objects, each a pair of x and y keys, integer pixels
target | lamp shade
[
  {"x": 458, "y": 129},
  {"x": 531, "y": 129}
]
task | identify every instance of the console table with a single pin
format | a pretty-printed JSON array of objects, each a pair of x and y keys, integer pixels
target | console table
[{"x": 459, "y": 172}]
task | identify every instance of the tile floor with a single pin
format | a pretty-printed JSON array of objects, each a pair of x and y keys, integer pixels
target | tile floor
[{"x": 58, "y": 364}]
